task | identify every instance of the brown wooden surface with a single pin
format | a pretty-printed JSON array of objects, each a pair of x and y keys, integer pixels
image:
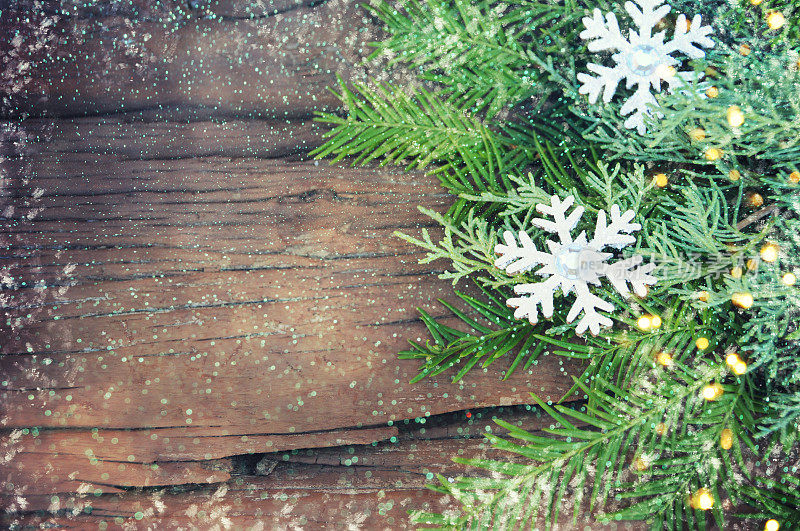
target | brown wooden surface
[{"x": 187, "y": 297}]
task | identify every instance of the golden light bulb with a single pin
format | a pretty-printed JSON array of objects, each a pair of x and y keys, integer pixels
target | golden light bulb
[
  {"x": 776, "y": 20},
  {"x": 712, "y": 92},
  {"x": 702, "y": 343},
  {"x": 769, "y": 252},
  {"x": 698, "y": 133},
  {"x": 755, "y": 199},
  {"x": 661, "y": 179},
  {"x": 772, "y": 525},
  {"x": 736, "y": 272},
  {"x": 712, "y": 392},
  {"x": 732, "y": 359},
  {"x": 789, "y": 279},
  {"x": 751, "y": 264},
  {"x": 734, "y": 175},
  {"x": 713, "y": 154},
  {"x": 664, "y": 359},
  {"x": 726, "y": 439},
  {"x": 641, "y": 464},
  {"x": 739, "y": 368},
  {"x": 702, "y": 499},
  {"x": 794, "y": 177},
  {"x": 742, "y": 300},
  {"x": 644, "y": 323},
  {"x": 703, "y": 296},
  {"x": 735, "y": 116},
  {"x": 744, "y": 49},
  {"x": 756, "y": 2}
]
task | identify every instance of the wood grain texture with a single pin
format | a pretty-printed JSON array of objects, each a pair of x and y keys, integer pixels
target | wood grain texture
[
  {"x": 199, "y": 324},
  {"x": 275, "y": 66},
  {"x": 175, "y": 300}
]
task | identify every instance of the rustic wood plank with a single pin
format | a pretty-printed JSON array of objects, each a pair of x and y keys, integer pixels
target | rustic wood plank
[
  {"x": 170, "y": 306},
  {"x": 354, "y": 487},
  {"x": 273, "y": 66}
]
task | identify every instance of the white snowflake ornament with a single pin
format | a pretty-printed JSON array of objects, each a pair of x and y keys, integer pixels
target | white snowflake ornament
[
  {"x": 643, "y": 59},
  {"x": 573, "y": 264}
]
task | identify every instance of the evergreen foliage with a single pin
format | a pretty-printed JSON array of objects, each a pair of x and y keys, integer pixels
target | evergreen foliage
[{"x": 671, "y": 415}]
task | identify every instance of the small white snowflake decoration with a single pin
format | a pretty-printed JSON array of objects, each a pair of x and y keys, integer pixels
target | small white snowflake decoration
[
  {"x": 573, "y": 264},
  {"x": 643, "y": 59}
]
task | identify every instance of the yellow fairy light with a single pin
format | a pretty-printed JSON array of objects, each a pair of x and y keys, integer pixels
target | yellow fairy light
[
  {"x": 794, "y": 177},
  {"x": 739, "y": 368},
  {"x": 661, "y": 179},
  {"x": 702, "y": 343},
  {"x": 644, "y": 323},
  {"x": 751, "y": 264},
  {"x": 756, "y": 2},
  {"x": 772, "y": 525},
  {"x": 713, "y": 153},
  {"x": 726, "y": 439},
  {"x": 664, "y": 359},
  {"x": 732, "y": 359},
  {"x": 736, "y": 272},
  {"x": 735, "y": 116},
  {"x": 703, "y": 296},
  {"x": 755, "y": 199},
  {"x": 776, "y": 20},
  {"x": 655, "y": 321},
  {"x": 702, "y": 499},
  {"x": 712, "y": 392},
  {"x": 641, "y": 463},
  {"x": 769, "y": 252},
  {"x": 661, "y": 429},
  {"x": 742, "y": 300},
  {"x": 789, "y": 279},
  {"x": 698, "y": 133},
  {"x": 712, "y": 92},
  {"x": 734, "y": 175},
  {"x": 744, "y": 49}
]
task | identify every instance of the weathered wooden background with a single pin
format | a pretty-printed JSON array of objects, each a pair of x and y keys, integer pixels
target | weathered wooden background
[{"x": 200, "y": 323}]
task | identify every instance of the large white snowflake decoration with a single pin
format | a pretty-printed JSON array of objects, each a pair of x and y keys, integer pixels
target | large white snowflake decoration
[
  {"x": 643, "y": 59},
  {"x": 573, "y": 264}
]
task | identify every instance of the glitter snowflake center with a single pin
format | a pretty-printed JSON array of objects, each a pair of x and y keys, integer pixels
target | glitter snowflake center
[
  {"x": 574, "y": 261},
  {"x": 644, "y": 60}
]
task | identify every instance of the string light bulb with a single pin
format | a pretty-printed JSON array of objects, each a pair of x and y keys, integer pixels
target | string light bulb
[
  {"x": 698, "y": 133},
  {"x": 738, "y": 367},
  {"x": 735, "y": 116},
  {"x": 712, "y": 92},
  {"x": 755, "y": 199},
  {"x": 641, "y": 463},
  {"x": 769, "y": 252},
  {"x": 703, "y": 296},
  {"x": 664, "y": 359},
  {"x": 789, "y": 279},
  {"x": 702, "y": 499},
  {"x": 776, "y": 20},
  {"x": 756, "y": 2},
  {"x": 734, "y": 175},
  {"x": 661, "y": 179},
  {"x": 644, "y": 323},
  {"x": 712, "y": 392},
  {"x": 794, "y": 177},
  {"x": 713, "y": 154},
  {"x": 726, "y": 439},
  {"x": 744, "y": 49},
  {"x": 743, "y": 300},
  {"x": 772, "y": 525},
  {"x": 702, "y": 343}
]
